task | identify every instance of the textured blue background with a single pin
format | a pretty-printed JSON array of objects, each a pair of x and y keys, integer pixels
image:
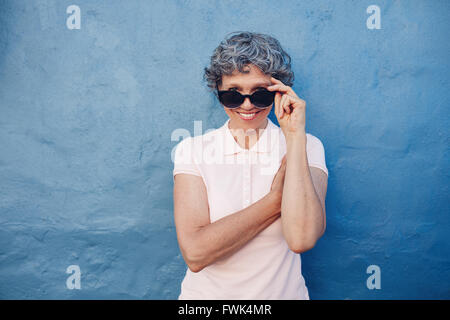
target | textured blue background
[{"x": 86, "y": 118}]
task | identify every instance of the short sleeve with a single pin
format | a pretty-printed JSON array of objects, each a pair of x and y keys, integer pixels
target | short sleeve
[
  {"x": 315, "y": 153},
  {"x": 184, "y": 158}
]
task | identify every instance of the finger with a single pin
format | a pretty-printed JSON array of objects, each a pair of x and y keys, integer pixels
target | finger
[
  {"x": 276, "y": 81},
  {"x": 298, "y": 102},
  {"x": 282, "y": 88},
  {"x": 278, "y": 87},
  {"x": 280, "y": 108},
  {"x": 276, "y": 84},
  {"x": 295, "y": 102},
  {"x": 285, "y": 104},
  {"x": 282, "y": 105},
  {"x": 277, "y": 104}
]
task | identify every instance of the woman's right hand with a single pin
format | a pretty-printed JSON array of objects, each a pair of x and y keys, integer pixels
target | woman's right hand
[{"x": 278, "y": 181}]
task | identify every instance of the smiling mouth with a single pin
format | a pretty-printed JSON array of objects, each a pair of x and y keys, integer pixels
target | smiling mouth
[{"x": 248, "y": 115}]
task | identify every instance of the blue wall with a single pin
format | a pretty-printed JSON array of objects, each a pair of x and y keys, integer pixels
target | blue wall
[{"x": 86, "y": 118}]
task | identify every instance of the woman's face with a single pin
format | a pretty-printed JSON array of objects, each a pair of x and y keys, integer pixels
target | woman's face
[{"x": 246, "y": 83}]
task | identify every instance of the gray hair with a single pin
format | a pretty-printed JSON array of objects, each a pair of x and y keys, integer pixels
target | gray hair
[{"x": 242, "y": 48}]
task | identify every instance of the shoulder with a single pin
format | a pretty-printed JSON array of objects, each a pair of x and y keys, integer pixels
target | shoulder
[
  {"x": 185, "y": 143},
  {"x": 313, "y": 142},
  {"x": 196, "y": 143},
  {"x": 315, "y": 152}
]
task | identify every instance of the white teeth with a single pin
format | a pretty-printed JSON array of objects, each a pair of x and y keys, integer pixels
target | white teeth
[{"x": 247, "y": 115}]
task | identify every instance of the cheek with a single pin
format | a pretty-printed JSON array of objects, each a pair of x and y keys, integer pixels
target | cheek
[
  {"x": 229, "y": 112},
  {"x": 267, "y": 111}
]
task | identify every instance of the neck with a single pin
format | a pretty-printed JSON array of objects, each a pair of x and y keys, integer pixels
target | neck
[{"x": 246, "y": 138}]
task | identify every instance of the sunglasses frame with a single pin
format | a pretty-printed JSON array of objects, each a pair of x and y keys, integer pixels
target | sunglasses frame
[{"x": 244, "y": 96}]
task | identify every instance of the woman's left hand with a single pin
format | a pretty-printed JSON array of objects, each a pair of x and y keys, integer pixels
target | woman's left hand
[{"x": 289, "y": 108}]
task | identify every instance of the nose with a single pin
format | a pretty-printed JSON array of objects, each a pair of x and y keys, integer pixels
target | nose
[{"x": 247, "y": 104}]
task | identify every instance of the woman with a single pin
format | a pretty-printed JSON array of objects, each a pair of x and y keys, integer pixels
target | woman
[{"x": 240, "y": 226}]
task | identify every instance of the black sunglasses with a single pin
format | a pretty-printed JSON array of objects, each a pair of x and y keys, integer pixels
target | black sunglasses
[{"x": 233, "y": 99}]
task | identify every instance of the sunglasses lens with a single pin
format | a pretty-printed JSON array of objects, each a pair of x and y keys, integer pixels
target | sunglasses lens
[
  {"x": 263, "y": 98},
  {"x": 231, "y": 99}
]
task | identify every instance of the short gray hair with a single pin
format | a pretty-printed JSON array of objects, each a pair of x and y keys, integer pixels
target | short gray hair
[{"x": 241, "y": 48}]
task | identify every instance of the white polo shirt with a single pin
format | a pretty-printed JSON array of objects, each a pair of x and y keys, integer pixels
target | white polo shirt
[{"x": 235, "y": 178}]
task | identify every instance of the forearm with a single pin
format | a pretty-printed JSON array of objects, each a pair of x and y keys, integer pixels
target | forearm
[
  {"x": 225, "y": 236},
  {"x": 301, "y": 210}
]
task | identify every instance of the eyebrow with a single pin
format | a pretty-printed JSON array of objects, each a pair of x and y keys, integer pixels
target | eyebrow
[{"x": 257, "y": 85}]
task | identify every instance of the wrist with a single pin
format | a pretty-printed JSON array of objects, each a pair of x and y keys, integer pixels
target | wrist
[
  {"x": 295, "y": 135},
  {"x": 295, "y": 139}
]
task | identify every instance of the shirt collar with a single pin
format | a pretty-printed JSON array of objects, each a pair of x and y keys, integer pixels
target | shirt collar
[{"x": 265, "y": 142}]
